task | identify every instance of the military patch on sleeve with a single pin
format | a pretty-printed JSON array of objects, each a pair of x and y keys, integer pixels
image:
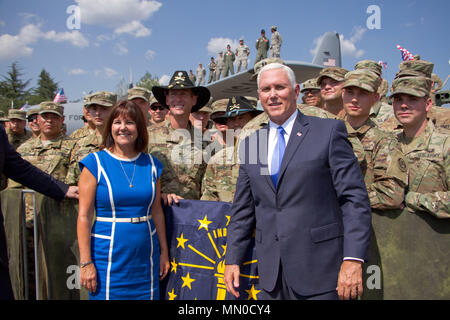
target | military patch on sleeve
[{"x": 402, "y": 165}]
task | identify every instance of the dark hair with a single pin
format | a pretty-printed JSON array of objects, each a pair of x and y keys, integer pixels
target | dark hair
[{"x": 127, "y": 109}]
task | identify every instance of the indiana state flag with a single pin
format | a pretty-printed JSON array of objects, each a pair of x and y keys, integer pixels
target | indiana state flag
[{"x": 197, "y": 240}]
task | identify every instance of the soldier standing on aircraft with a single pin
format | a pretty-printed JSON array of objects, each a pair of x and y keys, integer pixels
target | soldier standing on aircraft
[
  {"x": 201, "y": 74},
  {"x": 220, "y": 64},
  {"x": 16, "y": 128},
  {"x": 276, "y": 43},
  {"x": 192, "y": 76},
  {"x": 212, "y": 70},
  {"x": 242, "y": 53},
  {"x": 228, "y": 61},
  {"x": 262, "y": 46}
]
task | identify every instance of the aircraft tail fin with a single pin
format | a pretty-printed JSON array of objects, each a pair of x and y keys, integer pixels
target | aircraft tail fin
[{"x": 329, "y": 51}]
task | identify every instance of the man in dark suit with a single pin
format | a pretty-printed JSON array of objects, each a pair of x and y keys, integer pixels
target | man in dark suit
[
  {"x": 13, "y": 166},
  {"x": 300, "y": 185}
]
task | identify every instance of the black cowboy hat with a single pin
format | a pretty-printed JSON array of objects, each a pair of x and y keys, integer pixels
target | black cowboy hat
[
  {"x": 239, "y": 105},
  {"x": 180, "y": 80}
]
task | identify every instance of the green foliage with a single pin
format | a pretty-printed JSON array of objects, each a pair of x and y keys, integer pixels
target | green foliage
[{"x": 148, "y": 81}]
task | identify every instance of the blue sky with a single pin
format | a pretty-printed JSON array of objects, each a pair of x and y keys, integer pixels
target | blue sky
[{"x": 163, "y": 36}]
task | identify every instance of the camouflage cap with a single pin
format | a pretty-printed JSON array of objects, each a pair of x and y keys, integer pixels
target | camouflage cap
[
  {"x": 219, "y": 106},
  {"x": 273, "y": 27},
  {"x": 32, "y": 112},
  {"x": 415, "y": 86},
  {"x": 139, "y": 92},
  {"x": 362, "y": 78},
  {"x": 370, "y": 65},
  {"x": 310, "y": 84},
  {"x": 2, "y": 117},
  {"x": 51, "y": 107},
  {"x": 383, "y": 88},
  {"x": 102, "y": 98},
  {"x": 415, "y": 68},
  {"x": 17, "y": 114},
  {"x": 261, "y": 64},
  {"x": 335, "y": 73}
]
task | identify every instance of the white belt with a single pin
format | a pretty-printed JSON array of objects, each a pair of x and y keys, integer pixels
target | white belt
[{"x": 131, "y": 220}]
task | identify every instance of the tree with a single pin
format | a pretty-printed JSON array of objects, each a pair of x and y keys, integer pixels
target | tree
[
  {"x": 13, "y": 88},
  {"x": 47, "y": 87},
  {"x": 148, "y": 81}
]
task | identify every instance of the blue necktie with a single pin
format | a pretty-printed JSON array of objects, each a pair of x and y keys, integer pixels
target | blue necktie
[{"x": 277, "y": 155}]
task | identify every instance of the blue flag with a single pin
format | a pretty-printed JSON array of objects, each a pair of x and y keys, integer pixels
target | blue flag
[{"x": 196, "y": 235}]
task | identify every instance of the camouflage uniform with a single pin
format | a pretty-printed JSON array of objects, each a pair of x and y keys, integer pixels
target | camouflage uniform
[
  {"x": 17, "y": 139},
  {"x": 428, "y": 156},
  {"x": 80, "y": 133},
  {"x": 429, "y": 176},
  {"x": 276, "y": 43},
  {"x": 91, "y": 142},
  {"x": 242, "y": 53},
  {"x": 182, "y": 159},
  {"x": 220, "y": 64}
]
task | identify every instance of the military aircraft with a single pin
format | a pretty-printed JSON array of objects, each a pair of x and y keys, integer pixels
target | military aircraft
[{"x": 243, "y": 84}]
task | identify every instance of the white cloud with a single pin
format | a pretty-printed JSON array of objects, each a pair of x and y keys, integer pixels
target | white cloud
[
  {"x": 124, "y": 16},
  {"x": 105, "y": 72},
  {"x": 164, "y": 80},
  {"x": 150, "y": 55},
  {"x": 77, "y": 72},
  {"x": 20, "y": 45},
  {"x": 134, "y": 28},
  {"x": 348, "y": 46},
  {"x": 120, "y": 49},
  {"x": 215, "y": 45}
]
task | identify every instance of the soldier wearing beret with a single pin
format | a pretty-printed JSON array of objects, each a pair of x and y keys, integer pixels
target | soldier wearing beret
[
  {"x": 17, "y": 134},
  {"x": 98, "y": 105}
]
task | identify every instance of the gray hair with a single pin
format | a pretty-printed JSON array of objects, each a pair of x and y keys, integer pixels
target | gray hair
[{"x": 271, "y": 66}]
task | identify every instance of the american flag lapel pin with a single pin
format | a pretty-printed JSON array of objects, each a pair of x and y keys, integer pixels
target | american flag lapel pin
[{"x": 299, "y": 134}]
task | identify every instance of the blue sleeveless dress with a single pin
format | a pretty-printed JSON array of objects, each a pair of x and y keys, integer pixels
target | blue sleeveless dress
[{"x": 125, "y": 254}]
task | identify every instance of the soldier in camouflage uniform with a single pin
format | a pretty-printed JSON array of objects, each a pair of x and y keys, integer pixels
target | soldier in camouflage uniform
[
  {"x": 89, "y": 126},
  {"x": 158, "y": 113},
  {"x": 32, "y": 122},
  {"x": 99, "y": 105},
  {"x": 220, "y": 64},
  {"x": 219, "y": 182},
  {"x": 331, "y": 81},
  {"x": 385, "y": 173},
  {"x": 141, "y": 97},
  {"x": 242, "y": 53},
  {"x": 16, "y": 129},
  {"x": 275, "y": 43},
  {"x": 177, "y": 144},
  {"x": 381, "y": 111},
  {"x": 50, "y": 152},
  {"x": 426, "y": 149},
  {"x": 311, "y": 93}
]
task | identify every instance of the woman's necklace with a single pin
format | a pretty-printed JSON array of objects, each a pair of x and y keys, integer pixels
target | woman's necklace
[{"x": 132, "y": 178}]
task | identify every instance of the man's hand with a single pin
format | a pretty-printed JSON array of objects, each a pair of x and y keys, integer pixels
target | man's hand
[
  {"x": 350, "y": 280},
  {"x": 231, "y": 278},
  {"x": 170, "y": 198},
  {"x": 72, "y": 192}
]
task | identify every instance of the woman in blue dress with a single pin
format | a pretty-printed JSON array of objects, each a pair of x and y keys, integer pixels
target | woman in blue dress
[{"x": 125, "y": 255}]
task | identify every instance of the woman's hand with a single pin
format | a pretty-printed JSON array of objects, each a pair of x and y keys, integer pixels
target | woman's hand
[
  {"x": 88, "y": 277},
  {"x": 164, "y": 265},
  {"x": 170, "y": 198}
]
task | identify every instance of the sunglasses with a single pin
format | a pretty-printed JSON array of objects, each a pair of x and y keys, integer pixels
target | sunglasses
[
  {"x": 222, "y": 121},
  {"x": 32, "y": 118},
  {"x": 161, "y": 108}
]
